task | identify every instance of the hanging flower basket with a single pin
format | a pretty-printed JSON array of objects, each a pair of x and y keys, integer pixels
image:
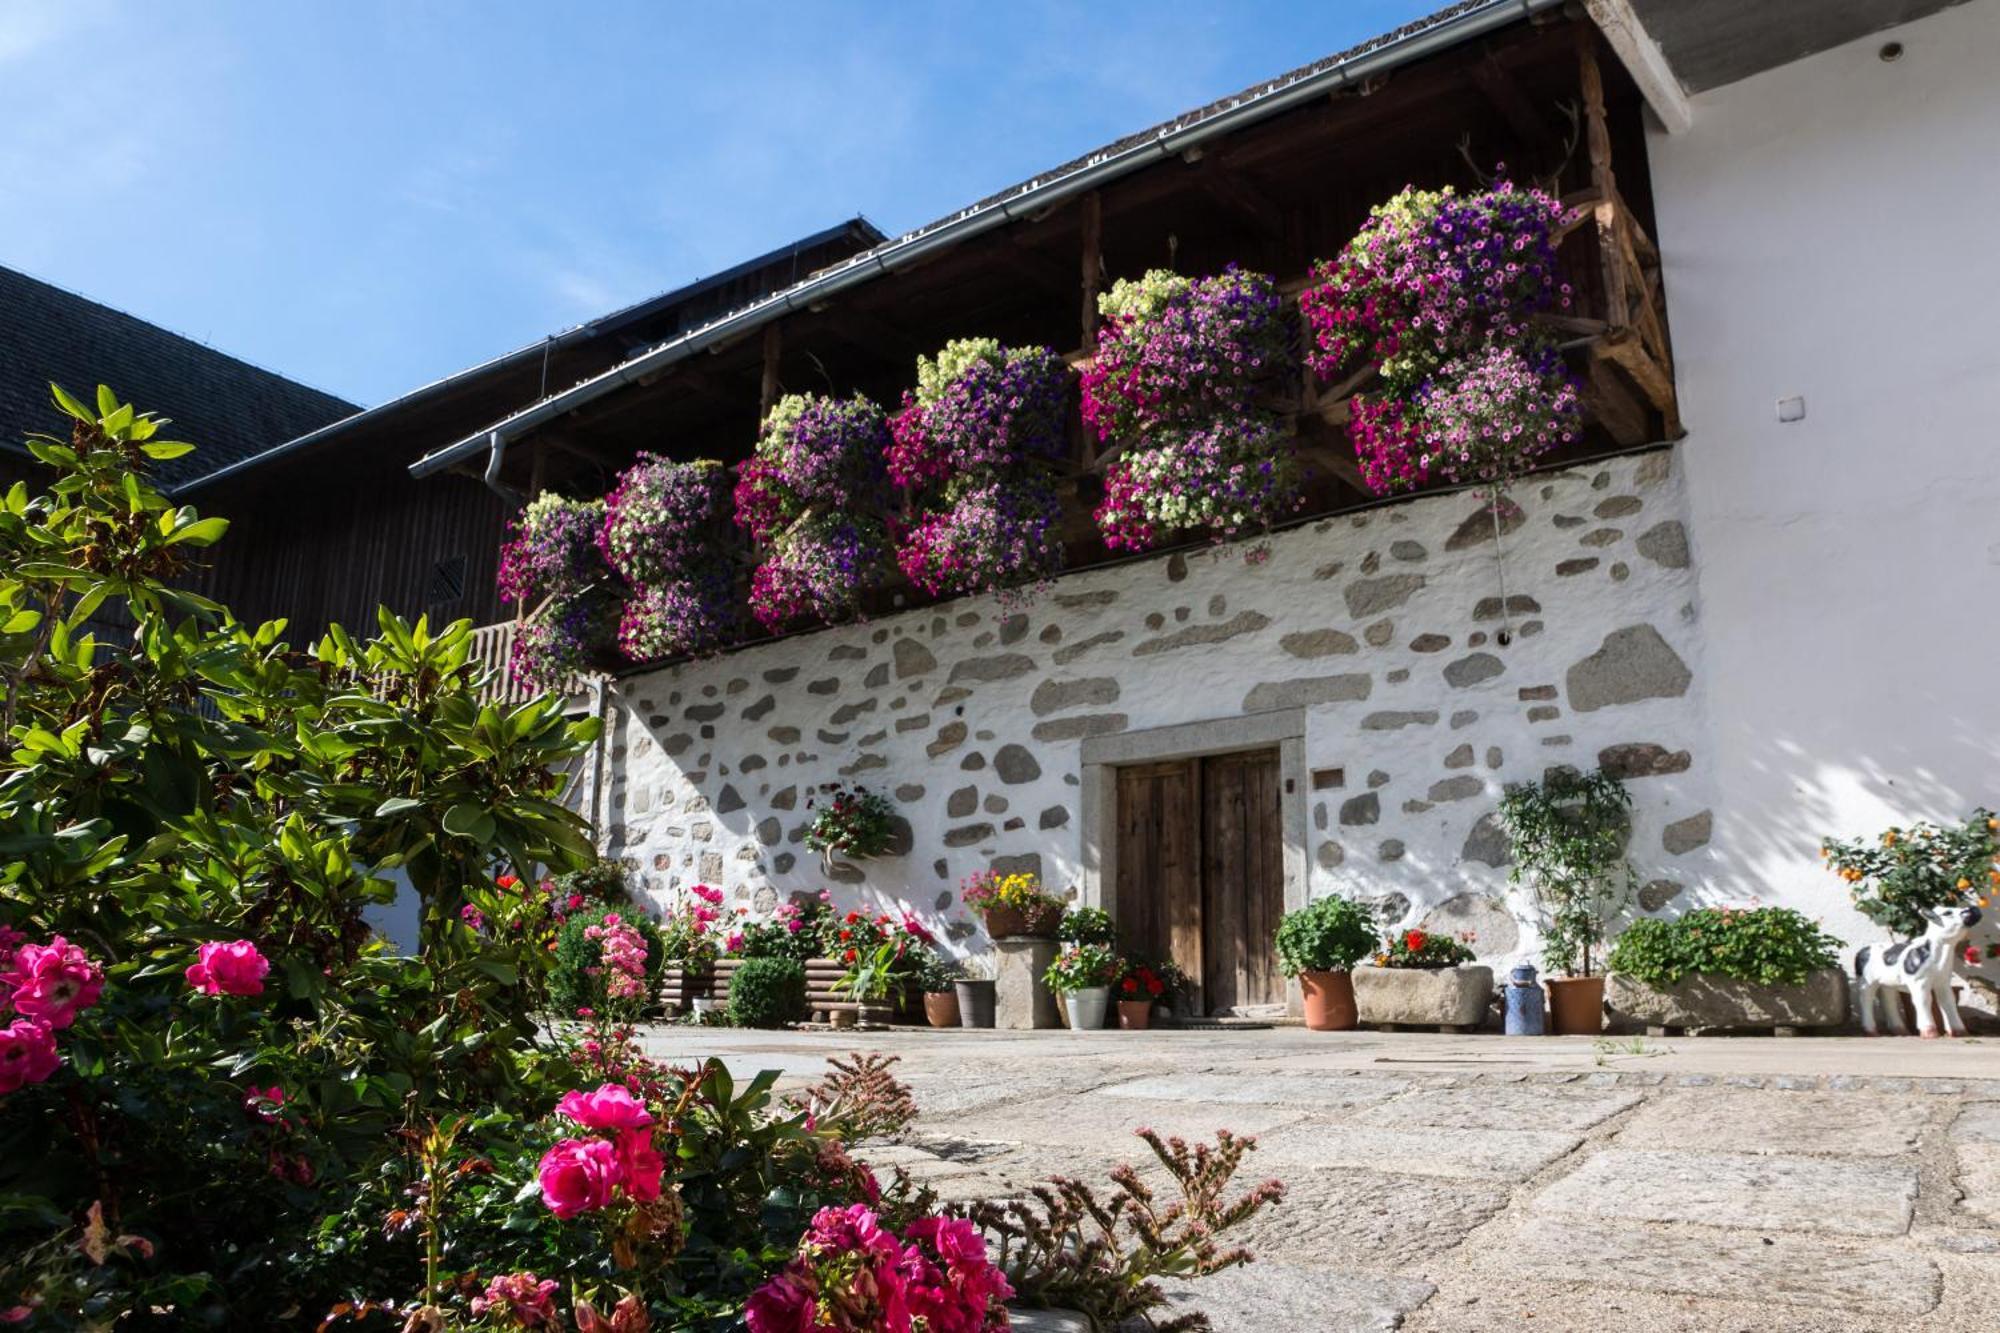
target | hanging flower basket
[
  {"x": 812, "y": 497},
  {"x": 1227, "y": 479},
  {"x": 664, "y": 520},
  {"x": 1183, "y": 351},
  {"x": 1001, "y": 534}
]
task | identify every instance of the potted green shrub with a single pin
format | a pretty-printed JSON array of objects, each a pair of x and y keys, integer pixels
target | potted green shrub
[
  {"x": 767, "y": 993},
  {"x": 1728, "y": 967},
  {"x": 1320, "y": 944},
  {"x": 938, "y": 976},
  {"x": 1082, "y": 974},
  {"x": 867, "y": 983},
  {"x": 1569, "y": 832},
  {"x": 1424, "y": 978}
]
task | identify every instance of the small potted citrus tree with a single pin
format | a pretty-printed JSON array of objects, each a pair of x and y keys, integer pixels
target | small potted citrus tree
[
  {"x": 1320, "y": 944},
  {"x": 1424, "y": 978},
  {"x": 1082, "y": 974},
  {"x": 1569, "y": 832}
]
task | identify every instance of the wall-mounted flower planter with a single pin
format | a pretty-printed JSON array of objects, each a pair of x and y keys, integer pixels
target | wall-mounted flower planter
[
  {"x": 1706, "y": 1002},
  {"x": 1453, "y": 999}
]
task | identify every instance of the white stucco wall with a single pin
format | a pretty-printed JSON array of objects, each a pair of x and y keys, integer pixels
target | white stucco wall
[
  {"x": 1365, "y": 632},
  {"x": 1829, "y": 232}
]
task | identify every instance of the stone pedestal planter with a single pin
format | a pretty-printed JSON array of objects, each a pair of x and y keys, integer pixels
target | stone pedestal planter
[
  {"x": 1021, "y": 999},
  {"x": 1702, "y": 1002},
  {"x": 1453, "y": 999}
]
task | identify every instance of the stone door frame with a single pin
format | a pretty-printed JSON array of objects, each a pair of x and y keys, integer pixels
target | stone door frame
[{"x": 1103, "y": 755}]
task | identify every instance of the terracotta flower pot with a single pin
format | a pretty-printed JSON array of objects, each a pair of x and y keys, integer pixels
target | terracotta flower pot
[
  {"x": 1038, "y": 922},
  {"x": 1576, "y": 1006},
  {"x": 1329, "y": 1000},
  {"x": 1135, "y": 1015},
  {"x": 941, "y": 1008}
]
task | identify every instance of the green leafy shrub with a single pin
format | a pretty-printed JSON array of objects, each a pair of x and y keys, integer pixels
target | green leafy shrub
[
  {"x": 195, "y": 782},
  {"x": 1771, "y": 946},
  {"x": 582, "y": 980},
  {"x": 1895, "y": 877},
  {"x": 602, "y": 881},
  {"x": 1424, "y": 949},
  {"x": 1330, "y": 934},
  {"x": 1569, "y": 832},
  {"x": 1082, "y": 966},
  {"x": 767, "y": 993},
  {"x": 1087, "y": 925}
]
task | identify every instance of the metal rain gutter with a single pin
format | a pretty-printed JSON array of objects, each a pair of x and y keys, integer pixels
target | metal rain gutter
[{"x": 1036, "y": 196}]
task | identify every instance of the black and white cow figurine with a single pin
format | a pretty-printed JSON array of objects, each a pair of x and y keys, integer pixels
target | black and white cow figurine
[{"x": 1922, "y": 968}]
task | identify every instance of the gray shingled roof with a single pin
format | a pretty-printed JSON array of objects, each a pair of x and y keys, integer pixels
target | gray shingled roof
[{"x": 229, "y": 408}]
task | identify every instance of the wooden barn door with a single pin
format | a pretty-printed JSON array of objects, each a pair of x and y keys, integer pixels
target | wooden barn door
[
  {"x": 1200, "y": 872},
  {"x": 1243, "y": 880},
  {"x": 1159, "y": 862}
]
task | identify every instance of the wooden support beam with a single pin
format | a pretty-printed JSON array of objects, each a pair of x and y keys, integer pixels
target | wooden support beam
[
  {"x": 1228, "y": 188},
  {"x": 1624, "y": 349},
  {"x": 1093, "y": 265},
  {"x": 1612, "y": 405},
  {"x": 538, "y": 468},
  {"x": 774, "y": 349},
  {"x": 1605, "y": 210}
]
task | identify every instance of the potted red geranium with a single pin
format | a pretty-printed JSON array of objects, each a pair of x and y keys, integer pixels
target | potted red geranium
[{"x": 1138, "y": 990}]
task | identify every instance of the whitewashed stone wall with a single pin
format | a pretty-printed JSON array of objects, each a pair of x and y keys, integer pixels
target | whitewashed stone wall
[{"x": 1381, "y": 626}]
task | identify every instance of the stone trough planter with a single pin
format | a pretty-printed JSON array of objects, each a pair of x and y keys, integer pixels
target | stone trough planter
[
  {"x": 1450, "y": 999},
  {"x": 1702, "y": 1003}
]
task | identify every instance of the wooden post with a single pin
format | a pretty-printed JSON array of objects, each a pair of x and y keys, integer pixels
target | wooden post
[
  {"x": 1606, "y": 185},
  {"x": 1093, "y": 265},
  {"x": 767, "y": 390},
  {"x": 538, "y": 468}
]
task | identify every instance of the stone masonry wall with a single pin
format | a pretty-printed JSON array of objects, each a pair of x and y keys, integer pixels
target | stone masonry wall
[{"x": 1381, "y": 625}]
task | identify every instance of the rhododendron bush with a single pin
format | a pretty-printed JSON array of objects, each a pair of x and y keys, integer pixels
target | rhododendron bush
[
  {"x": 1179, "y": 366},
  {"x": 812, "y": 499},
  {"x": 1439, "y": 294},
  {"x": 200, "y": 1043},
  {"x": 971, "y": 444}
]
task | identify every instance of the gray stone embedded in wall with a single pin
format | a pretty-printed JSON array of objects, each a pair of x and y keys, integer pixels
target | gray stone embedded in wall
[
  {"x": 1685, "y": 835},
  {"x": 1619, "y": 506},
  {"x": 1079, "y": 728},
  {"x": 1487, "y": 843},
  {"x": 1248, "y": 622},
  {"x": 1460, "y": 758},
  {"x": 1634, "y": 663},
  {"x": 1461, "y": 788},
  {"x": 1470, "y": 671},
  {"x": 1305, "y": 691},
  {"x": 1657, "y": 893},
  {"x": 949, "y": 737},
  {"x": 1014, "y": 764},
  {"x": 961, "y": 802},
  {"x": 1583, "y": 565},
  {"x": 910, "y": 791},
  {"x": 1665, "y": 544},
  {"x": 1478, "y": 526},
  {"x": 986, "y": 670},
  {"x": 1398, "y": 719},
  {"x": 1642, "y": 759},
  {"x": 967, "y": 835},
  {"x": 1519, "y": 604},
  {"x": 912, "y": 658},
  {"x": 1319, "y": 643},
  {"x": 1065, "y": 655},
  {"x": 1057, "y": 696},
  {"x": 1370, "y": 597},
  {"x": 1430, "y": 643},
  {"x": 1358, "y": 810}
]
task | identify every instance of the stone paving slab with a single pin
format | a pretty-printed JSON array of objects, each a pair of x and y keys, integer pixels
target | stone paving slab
[
  {"x": 1361, "y": 1219},
  {"x": 1739, "y": 1121},
  {"x": 1978, "y": 1122},
  {"x": 1326, "y": 1092},
  {"x": 1266, "y": 1297},
  {"x": 1883, "y": 1280},
  {"x": 1978, "y": 1181},
  {"x": 1479, "y": 1154},
  {"x": 1499, "y": 1106},
  {"x": 1066, "y": 1126},
  {"x": 1805, "y": 1194}
]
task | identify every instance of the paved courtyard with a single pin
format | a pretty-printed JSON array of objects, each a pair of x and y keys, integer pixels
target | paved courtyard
[{"x": 1476, "y": 1183}]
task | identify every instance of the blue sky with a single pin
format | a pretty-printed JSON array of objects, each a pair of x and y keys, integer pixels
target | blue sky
[{"x": 372, "y": 193}]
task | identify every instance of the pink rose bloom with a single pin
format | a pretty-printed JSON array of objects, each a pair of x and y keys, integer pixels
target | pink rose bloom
[
  {"x": 578, "y": 1175},
  {"x": 610, "y": 1107},
  {"x": 528, "y": 1300},
  {"x": 234, "y": 968},
  {"x": 735, "y": 942},
  {"x": 263, "y": 1103},
  {"x": 640, "y": 1163},
  {"x": 27, "y": 1053},
  {"x": 53, "y": 982},
  {"x": 783, "y": 1305}
]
